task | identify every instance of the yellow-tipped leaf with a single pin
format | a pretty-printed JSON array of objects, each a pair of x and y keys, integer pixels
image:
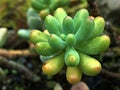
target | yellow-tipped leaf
[{"x": 53, "y": 65}]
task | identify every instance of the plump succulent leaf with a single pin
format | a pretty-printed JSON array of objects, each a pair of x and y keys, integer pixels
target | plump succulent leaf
[
  {"x": 37, "y": 4},
  {"x": 60, "y": 14},
  {"x": 54, "y": 4},
  {"x": 57, "y": 3},
  {"x": 73, "y": 75},
  {"x": 46, "y": 32},
  {"x": 34, "y": 23},
  {"x": 63, "y": 36},
  {"x": 88, "y": 65},
  {"x": 68, "y": 25},
  {"x": 43, "y": 13},
  {"x": 99, "y": 26},
  {"x": 24, "y": 33},
  {"x": 38, "y": 36},
  {"x": 72, "y": 58},
  {"x": 70, "y": 40},
  {"x": 32, "y": 12},
  {"x": 52, "y": 25},
  {"x": 86, "y": 30},
  {"x": 44, "y": 49},
  {"x": 79, "y": 18},
  {"x": 56, "y": 42},
  {"x": 33, "y": 19},
  {"x": 94, "y": 46},
  {"x": 53, "y": 65}
]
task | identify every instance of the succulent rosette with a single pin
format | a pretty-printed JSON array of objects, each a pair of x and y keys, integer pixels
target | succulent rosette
[
  {"x": 44, "y": 7},
  {"x": 37, "y": 12},
  {"x": 33, "y": 21},
  {"x": 70, "y": 41}
]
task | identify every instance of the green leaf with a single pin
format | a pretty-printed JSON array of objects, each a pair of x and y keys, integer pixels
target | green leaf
[
  {"x": 60, "y": 14},
  {"x": 56, "y": 42},
  {"x": 68, "y": 25},
  {"x": 94, "y": 46},
  {"x": 52, "y": 25},
  {"x": 85, "y": 30},
  {"x": 45, "y": 49},
  {"x": 72, "y": 58},
  {"x": 79, "y": 18}
]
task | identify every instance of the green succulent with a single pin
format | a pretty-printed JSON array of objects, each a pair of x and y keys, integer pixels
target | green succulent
[
  {"x": 33, "y": 21},
  {"x": 69, "y": 41},
  {"x": 46, "y": 6},
  {"x": 36, "y": 14}
]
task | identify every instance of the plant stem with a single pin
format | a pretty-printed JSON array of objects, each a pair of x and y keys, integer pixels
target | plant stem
[
  {"x": 20, "y": 68},
  {"x": 17, "y": 53}
]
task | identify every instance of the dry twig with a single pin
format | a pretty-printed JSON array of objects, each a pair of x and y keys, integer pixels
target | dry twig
[
  {"x": 17, "y": 53},
  {"x": 94, "y": 10},
  {"x": 20, "y": 68},
  {"x": 110, "y": 74}
]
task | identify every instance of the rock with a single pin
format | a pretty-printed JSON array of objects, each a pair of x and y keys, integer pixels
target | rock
[{"x": 80, "y": 86}]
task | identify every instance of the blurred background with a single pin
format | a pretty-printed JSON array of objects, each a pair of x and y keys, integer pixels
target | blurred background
[{"x": 20, "y": 65}]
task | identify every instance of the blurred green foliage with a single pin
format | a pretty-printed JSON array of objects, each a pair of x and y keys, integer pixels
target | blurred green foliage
[{"x": 13, "y": 13}]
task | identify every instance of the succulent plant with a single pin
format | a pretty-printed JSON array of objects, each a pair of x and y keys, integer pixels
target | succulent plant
[
  {"x": 36, "y": 14},
  {"x": 69, "y": 41},
  {"x": 24, "y": 33},
  {"x": 33, "y": 21},
  {"x": 44, "y": 7}
]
